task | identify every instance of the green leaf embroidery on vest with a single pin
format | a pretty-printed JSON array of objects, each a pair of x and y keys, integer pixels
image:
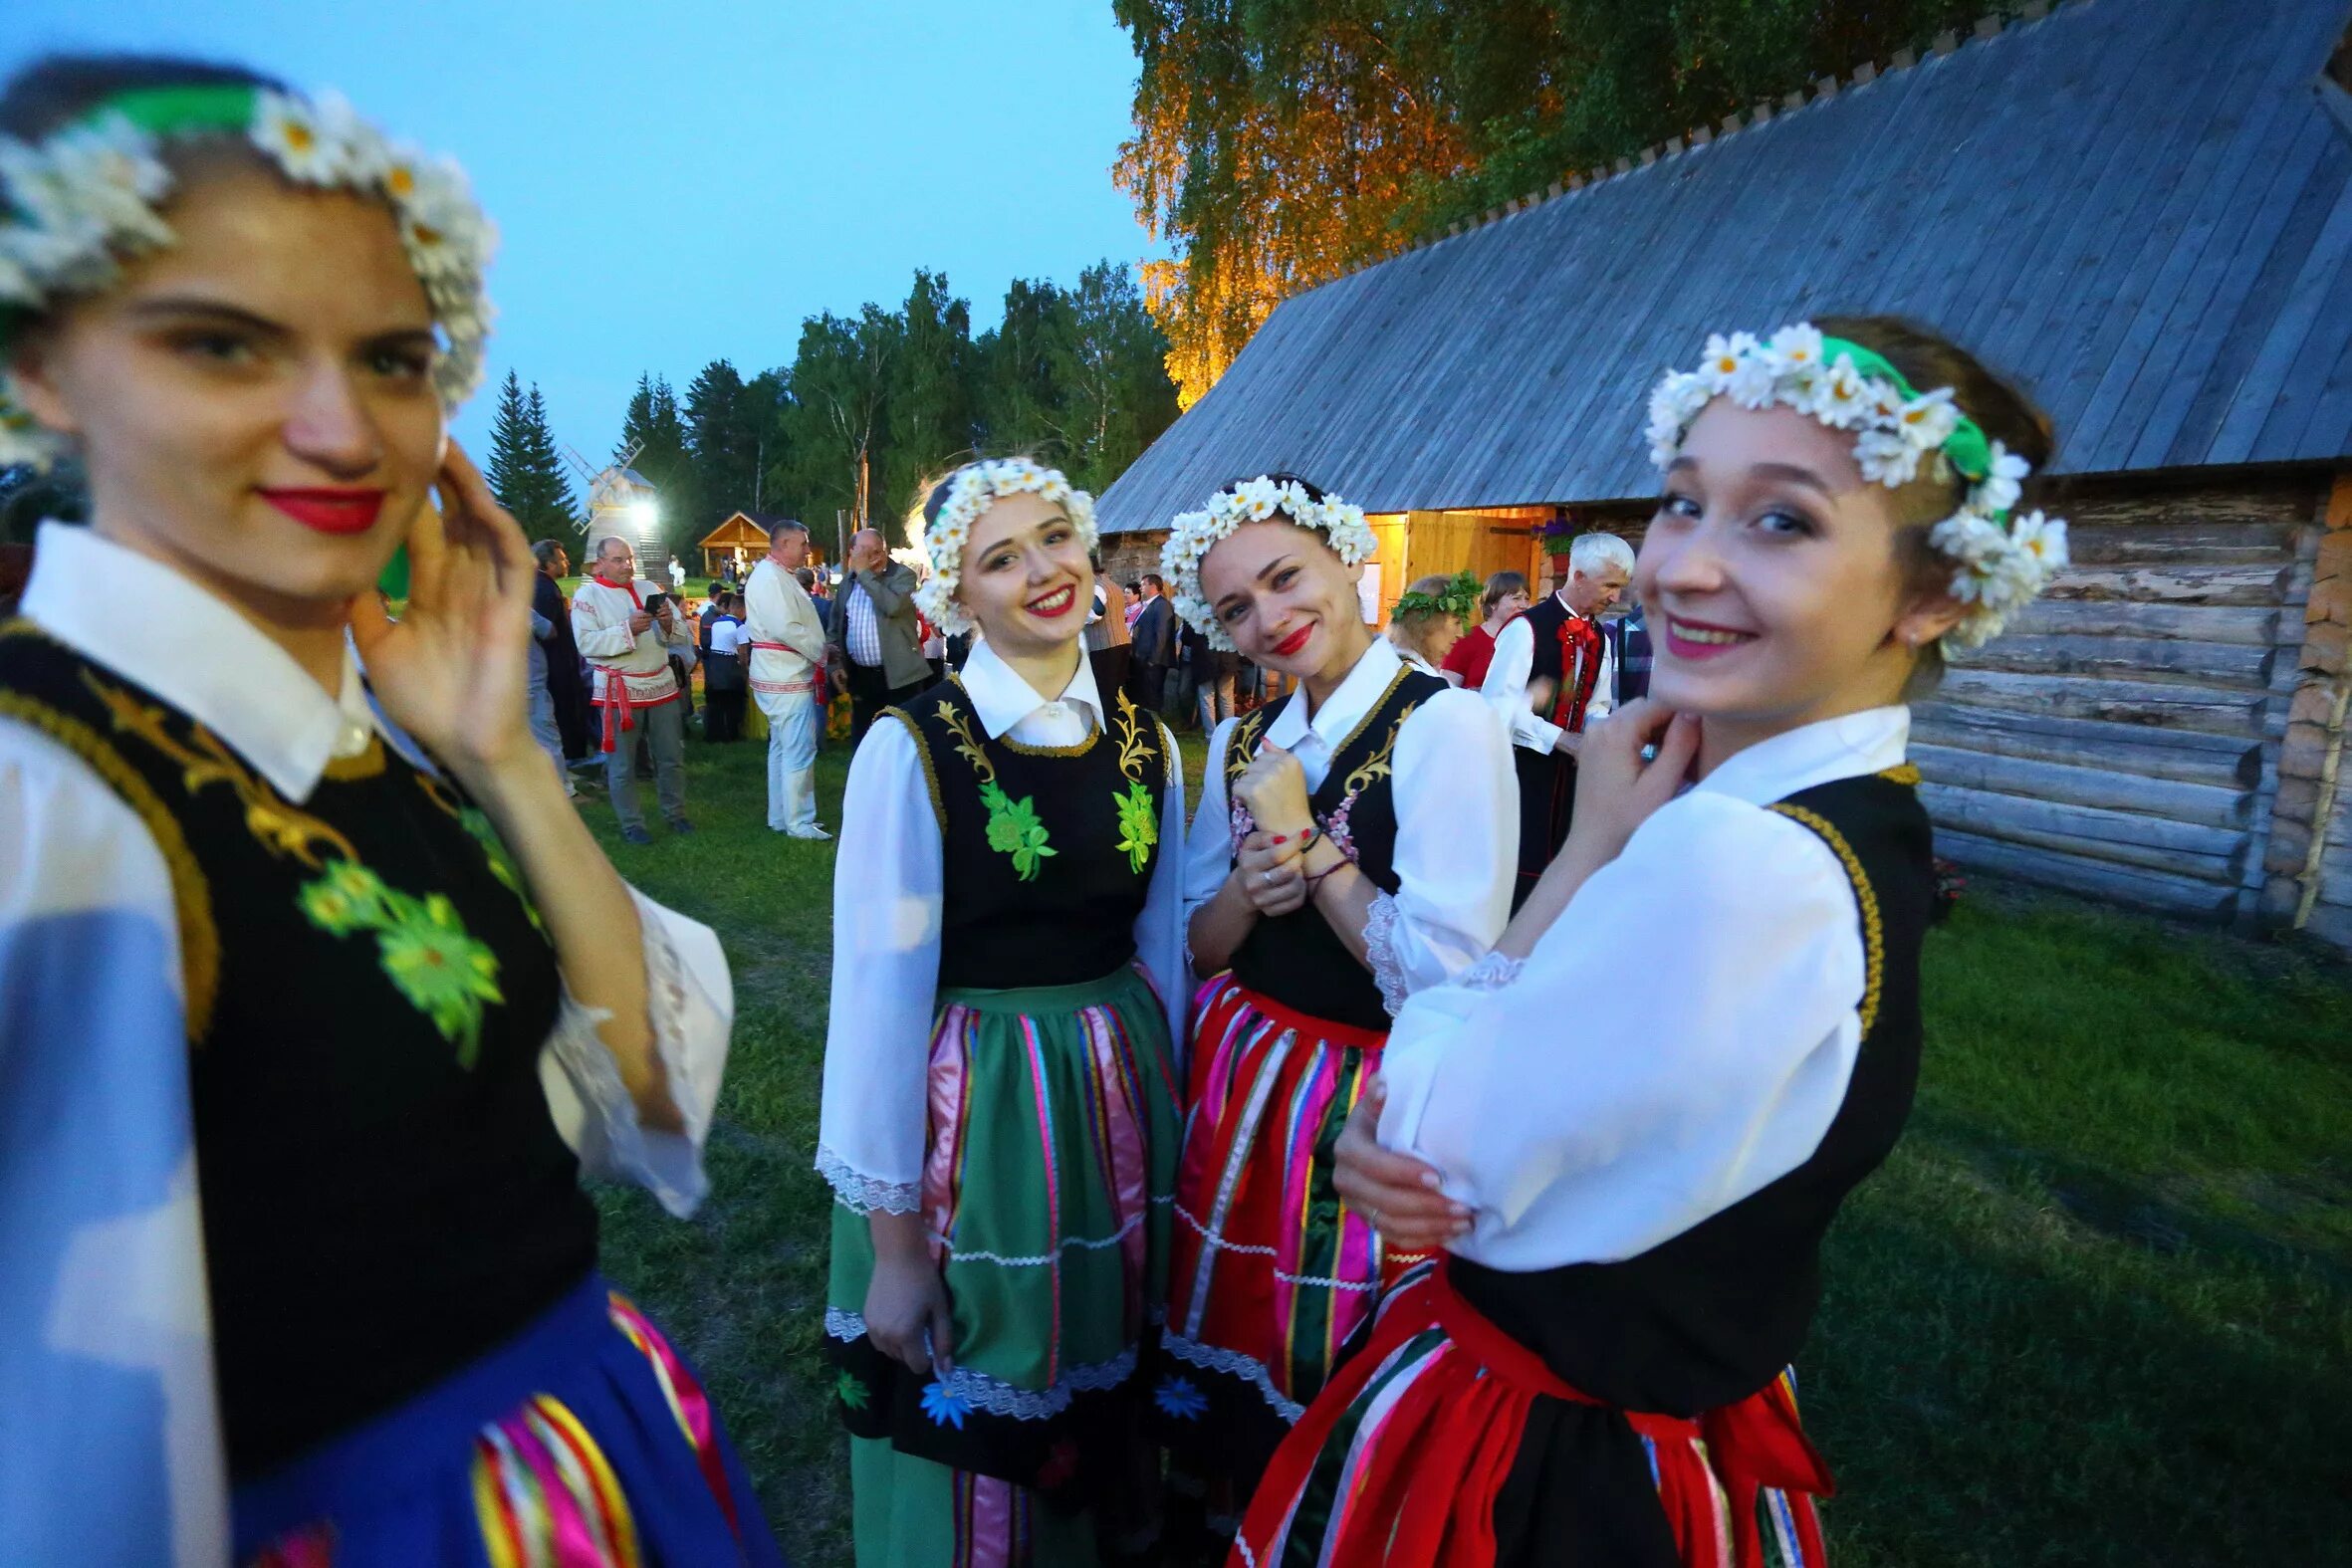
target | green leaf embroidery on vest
[
  {"x": 1014, "y": 830},
  {"x": 1139, "y": 826},
  {"x": 852, "y": 1393},
  {"x": 1013, "y": 825},
  {"x": 477, "y": 822},
  {"x": 422, "y": 945}
]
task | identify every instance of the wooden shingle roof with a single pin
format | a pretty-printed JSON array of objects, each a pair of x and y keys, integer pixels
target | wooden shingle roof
[{"x": 2142, "y": 209}]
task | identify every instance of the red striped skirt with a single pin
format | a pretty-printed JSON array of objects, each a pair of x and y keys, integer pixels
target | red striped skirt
[
  {"x": 1271, "y": 1271},
  {"x": 1399, "y": 1463}
]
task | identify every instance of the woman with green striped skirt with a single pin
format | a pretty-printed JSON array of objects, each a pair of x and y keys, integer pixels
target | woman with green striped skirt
[{"x": 1000, "y": 1121}]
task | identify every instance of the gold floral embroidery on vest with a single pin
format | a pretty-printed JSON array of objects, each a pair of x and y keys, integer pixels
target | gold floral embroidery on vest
[
  {"x": 1374, "y": 768},
  {"x": 1013, "y": 825},
  {"x": 422, "y": 944},
  {"x": 1139, "y": 819}
]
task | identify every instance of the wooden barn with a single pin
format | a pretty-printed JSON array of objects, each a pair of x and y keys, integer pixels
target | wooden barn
[
  {"x": 739, "y": 542},
  {"x": 2142, "y": 209}
]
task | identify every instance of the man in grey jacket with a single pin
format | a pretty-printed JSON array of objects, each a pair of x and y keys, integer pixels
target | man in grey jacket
[{"x": 875, "y": 625}]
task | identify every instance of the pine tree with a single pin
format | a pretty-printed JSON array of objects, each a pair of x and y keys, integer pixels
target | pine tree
[
  {"x": 508, "y": 471},
  {"x": 554, "y": 513},
  {"x": 723, "y": 447}
]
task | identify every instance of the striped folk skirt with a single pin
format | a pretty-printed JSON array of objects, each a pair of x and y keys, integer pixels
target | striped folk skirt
[
  {"x": 1272, "y": 1271},
  {"x": 1047, "y": 1195},
  {"x": 1443, "y": 1442},
  {"x": 584, "y": 1442}
]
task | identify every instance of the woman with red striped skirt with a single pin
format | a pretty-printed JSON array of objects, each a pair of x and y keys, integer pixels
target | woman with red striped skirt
[
  {"x": 1354, "y": 843},
  {"x": 1631, "y": 1125}
]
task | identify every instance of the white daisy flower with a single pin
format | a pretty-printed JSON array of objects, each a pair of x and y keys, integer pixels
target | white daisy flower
[
  {"x": 1887, "y": 458},
  {"x": 289, "y": 130},
  {"x": 1842, "y": 397},
  {"x": 2003, "y": 482},
  {"x": 1725, "y": 357},
  {"x": 1797, "y": 348},
  {"x": 1928, "y": 419},
  {"x": 2042, "y": 539}
]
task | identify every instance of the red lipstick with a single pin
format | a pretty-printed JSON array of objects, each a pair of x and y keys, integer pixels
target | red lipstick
[
  {"x": 1053, "y": 605},
  {"x": 329, "y": 510},
  {"x": 1694, "y": 639},
  {"x": 1293, "y": 643}
]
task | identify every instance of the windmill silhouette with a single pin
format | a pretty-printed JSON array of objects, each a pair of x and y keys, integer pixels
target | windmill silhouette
[{"x": 621, "y": 501}]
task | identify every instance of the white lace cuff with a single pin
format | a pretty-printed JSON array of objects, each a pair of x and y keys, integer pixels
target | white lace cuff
[
  {"x": 1380, "y": 947},
  {"x": 690, "y": 1002},
  {"x": 1490, "y": 973},
  {"x": 864, "y": 1193}
]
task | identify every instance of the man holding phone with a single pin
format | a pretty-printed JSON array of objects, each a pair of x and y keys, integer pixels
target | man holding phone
[{"x": 627, "y": 629}]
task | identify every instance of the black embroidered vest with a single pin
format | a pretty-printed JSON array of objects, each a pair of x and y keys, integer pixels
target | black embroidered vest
[
  {"x": 1047, "y": 851},
  {"x": 384, "y": 1196},
  {"x": 1544, "y": 619},
  {"x": 1296, "y": 959},
  {"x": 1712, "y": 1315}
]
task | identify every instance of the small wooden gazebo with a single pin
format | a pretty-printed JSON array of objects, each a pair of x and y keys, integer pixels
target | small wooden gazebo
[{"x": 738, "y": 542}]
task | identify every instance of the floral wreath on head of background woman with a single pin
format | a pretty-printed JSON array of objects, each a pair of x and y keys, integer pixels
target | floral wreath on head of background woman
[{"x": 82, "y": 200}]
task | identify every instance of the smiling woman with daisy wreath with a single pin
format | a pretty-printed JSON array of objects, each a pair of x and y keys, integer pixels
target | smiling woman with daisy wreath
[
  {"x": 998, "y": 1121},
  {"x": 1354, "y": 844},
  {"x": 313, "y": 1016},
  {"x": 1633, "y": 1198}
]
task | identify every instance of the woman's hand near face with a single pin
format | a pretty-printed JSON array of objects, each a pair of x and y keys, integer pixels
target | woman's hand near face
[
  {"x": 451, "y": 670},
  {"x": 1617, "y": 788}
]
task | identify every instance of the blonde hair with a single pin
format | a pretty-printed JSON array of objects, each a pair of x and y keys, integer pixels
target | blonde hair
[{"x": 1409, "y": 629}]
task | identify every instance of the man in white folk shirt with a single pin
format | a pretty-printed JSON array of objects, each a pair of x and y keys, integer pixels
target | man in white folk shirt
[
  {"x": 1551, "y": 677},
  {"x": 788, "y": 660},
  {"x": 628, "y": 648}
]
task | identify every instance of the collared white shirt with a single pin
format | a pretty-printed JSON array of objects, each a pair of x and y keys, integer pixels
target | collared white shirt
[
  {"x": 872, "y": 1134},
  {"x": 1457, "y": 810},
  {"x": 101, "y": 1249},
  {"x": 600, "y": 626},
  {"x": 1505, "y": 685},
  {"x": 1682, "y": 1035}
]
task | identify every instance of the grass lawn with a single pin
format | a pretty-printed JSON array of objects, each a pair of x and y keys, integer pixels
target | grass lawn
[{"x": 2097, "y": 1310}]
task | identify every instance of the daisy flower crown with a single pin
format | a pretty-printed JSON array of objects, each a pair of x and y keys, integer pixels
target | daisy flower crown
[
  {"x": 82, "y": 200},
  {"x": 2001, "y": 561},
  {"x": 972, "y": 490},
  {"x": 1192, "y": 534}
]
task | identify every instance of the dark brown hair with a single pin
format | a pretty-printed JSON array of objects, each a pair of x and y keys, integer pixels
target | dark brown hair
[{"x": 1928, "y": 360}]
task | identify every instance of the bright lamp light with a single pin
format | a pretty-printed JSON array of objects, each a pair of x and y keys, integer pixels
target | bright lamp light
[{"x": 644, "y": 513}]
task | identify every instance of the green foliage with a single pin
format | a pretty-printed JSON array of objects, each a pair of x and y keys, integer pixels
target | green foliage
[
  {"x": 876, "y": 402},
  {"x": 657, "y": 430},
  {"x": 525, "y": 471},
  {"x": 1277, "y": 147}
]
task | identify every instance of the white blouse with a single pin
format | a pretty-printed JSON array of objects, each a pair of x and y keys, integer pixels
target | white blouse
[
  {"x": 873, "y": 1129},
  {"x": 1681, "y": 1037},
  {"x": 1457, "y": 822},
  {"x": 102, "y": 1258}
]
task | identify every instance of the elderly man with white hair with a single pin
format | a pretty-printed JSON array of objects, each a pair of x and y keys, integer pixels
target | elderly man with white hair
[
  {"x": 627, "y": 629},
  {"x": 788, "y": 660},
  {"x": 1551, "y": 677}
]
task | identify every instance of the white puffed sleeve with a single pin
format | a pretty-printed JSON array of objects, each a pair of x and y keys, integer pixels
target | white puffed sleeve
[
  {"x": 690, "y": 999},
  {"x": 1457, "y": 847},
  {"x": 1506, "y": 688},
  {"x": 1682, "y": 1035},
  {"x": 1161, "y": 928},
  {"x": 1208, "y": 844},
  {"x": 116, "y": 1456},
  {"x": 875, "y": 1117}
]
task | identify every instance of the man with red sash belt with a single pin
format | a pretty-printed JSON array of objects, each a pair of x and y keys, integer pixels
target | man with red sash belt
[
  {"x": 788, "y": 660},
  {"x": 1552, "y": 676},
  {"x": 628, "y": 646}
]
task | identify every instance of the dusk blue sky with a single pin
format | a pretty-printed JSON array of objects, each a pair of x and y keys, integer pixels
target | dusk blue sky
[{"x": 684, "y": 182}]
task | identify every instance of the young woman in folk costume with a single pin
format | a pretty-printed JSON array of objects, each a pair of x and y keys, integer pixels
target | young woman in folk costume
[
  {"x": 1353, "y": 844},
  {"x": 1634, "y": 1197},
  {"x": 1000, "y": 1080},
  {"x": 308, "y": 1010}
]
